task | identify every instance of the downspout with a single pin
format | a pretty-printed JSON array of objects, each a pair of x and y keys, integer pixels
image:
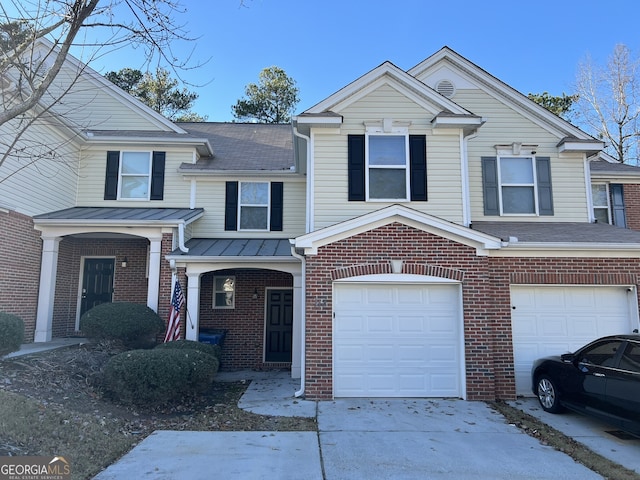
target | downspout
[
  {"x": 181, "y": 244},
  {"x": 309, "y": 193},
  {"x": 464, "y": 166},
  {"x": 303, "y": 326}
]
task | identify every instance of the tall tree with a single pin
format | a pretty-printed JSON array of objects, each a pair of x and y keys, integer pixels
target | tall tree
[
  {"x": 560, "y": 105},
  {"x": 609, "y": 102},
  {"x": 36, "y": 38},
  {"x": 160, "y": 92},
  {"x": 272, "y": 100}
]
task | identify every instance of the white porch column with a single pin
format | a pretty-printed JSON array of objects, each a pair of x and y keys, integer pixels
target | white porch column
[
  {"x": 193, "y": 306},
  {"x": 153, "y": 289},
  {"x": 298, "y": 336},
  {"x": 47, "y": 289}
]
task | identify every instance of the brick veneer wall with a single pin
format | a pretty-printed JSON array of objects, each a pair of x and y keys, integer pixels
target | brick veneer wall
[
  {"x": 632, "y": 205},
  {"x": 244, "y": 341},
  {"x": 485, "y": 291},
  {"x": 20, "y": 268}
]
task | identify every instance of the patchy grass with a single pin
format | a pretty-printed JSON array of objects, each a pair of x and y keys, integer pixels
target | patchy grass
[
  {"x": 89, "y": 442},
  {"x": 561, "y": 442}
]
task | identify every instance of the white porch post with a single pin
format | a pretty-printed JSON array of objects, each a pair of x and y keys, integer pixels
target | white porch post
[
  {"x": 47, "y": 289},
  {"x": 153, "y": 289},
  {"x": 193, "y": 306},
  {"x": 298, "y": 338}
]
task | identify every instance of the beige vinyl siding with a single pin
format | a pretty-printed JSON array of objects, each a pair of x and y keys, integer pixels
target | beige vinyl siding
[
  {"x": 505, "y": 126},
  {"x": 90, "y": 105},
  {"x": 211, "y": 196},
  {"x": 330, "y": 160},
  {"x": 43, "y": 178},
  {"x": 92, "y": 180}
]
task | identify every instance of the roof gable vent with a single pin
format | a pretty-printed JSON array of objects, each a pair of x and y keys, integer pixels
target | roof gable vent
[{"x": 446, "y": 88}]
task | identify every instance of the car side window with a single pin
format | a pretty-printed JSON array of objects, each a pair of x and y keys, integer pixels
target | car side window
[
  {"x": 631, "y": 358},
  {"x": 602, "y": 354}
]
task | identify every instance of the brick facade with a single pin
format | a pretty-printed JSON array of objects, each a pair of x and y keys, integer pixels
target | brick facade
[
  {"x": 485, "y": 291},
  {"x": 632, "y": 205},
  {"x": 20, "y": 269},
  {"x": 244, "y": 324}
]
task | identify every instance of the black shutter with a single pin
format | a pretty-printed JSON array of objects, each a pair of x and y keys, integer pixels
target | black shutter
[
  {"x": 490, "y": 185},
  {"x": 276, "y": 206},
  {"x": 418, "y": 162},
  {"x": 231, "y": 206},
  {"x": 356, "y": 168},
  {"x": 617, "y": 205},
  {"x": 157, "y": 176},
  {"x": 545, "y": 196},
  {"x": 111, "y": 177}
]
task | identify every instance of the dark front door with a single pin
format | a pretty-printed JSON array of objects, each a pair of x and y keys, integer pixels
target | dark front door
[
  {"x": 279, "y": 330},
  {"x": 97, "y": 282}
]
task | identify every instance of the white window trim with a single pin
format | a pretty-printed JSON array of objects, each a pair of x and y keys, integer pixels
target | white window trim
[
  {"x": 602, "y": 207},
  {"x": 387, "y": 130},
  {"x": 121, "y": 175},
  {"x": 233, "y": 302},
  {"x": 240, "y": 205},
  {"x": 534, "y": 185}
]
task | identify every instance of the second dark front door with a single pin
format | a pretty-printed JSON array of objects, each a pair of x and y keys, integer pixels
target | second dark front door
[
  {"x": 97, "y": 282},
  {"x": 279, "y": 331}
]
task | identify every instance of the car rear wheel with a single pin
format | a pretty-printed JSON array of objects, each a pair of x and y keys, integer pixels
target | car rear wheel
[{"x": 548, "y": 395}]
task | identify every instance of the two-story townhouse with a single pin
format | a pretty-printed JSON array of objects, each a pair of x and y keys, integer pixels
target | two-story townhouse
[
  {"x": 452, "y": 237},
  {"x": 419, "y": 233}
]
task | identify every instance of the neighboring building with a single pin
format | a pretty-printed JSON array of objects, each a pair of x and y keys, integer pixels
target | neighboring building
[{"x": 420, "y": 233}]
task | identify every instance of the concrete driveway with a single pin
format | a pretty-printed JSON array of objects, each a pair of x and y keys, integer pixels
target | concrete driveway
[{"x": 359, "y": 439}]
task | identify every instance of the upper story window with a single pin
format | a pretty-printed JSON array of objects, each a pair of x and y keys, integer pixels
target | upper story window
[
  {"x": 387, "y": 167},
  {"x": 134, "y": 175},
  {"x": 608, "y": 203},
  {"x": 600, "y": 198},
  {"x": 254, "y": 206},
  {"x": 517, "y": 185},
  {"x": 517, "y": 179}
]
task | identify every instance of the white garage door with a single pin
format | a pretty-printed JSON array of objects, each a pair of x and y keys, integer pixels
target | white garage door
[
  {"x": 556, "y": 320},
  {"x": 397, "y": 340}
]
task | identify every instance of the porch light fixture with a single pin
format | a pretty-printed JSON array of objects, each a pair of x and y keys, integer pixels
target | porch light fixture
[
  {"x": 124, "y": 262},
  {"x": 255, "y": 294}
]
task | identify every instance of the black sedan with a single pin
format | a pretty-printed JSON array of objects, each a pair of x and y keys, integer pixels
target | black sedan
[{"x": 602, "y": 379}]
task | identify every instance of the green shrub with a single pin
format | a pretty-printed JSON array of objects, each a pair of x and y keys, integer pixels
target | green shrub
[
  {"x": 214, "y": 350},
  {"x": 12, "y": 328},
  {"x": 133, "y": 324},
  {"x": 158, "y": 376}
]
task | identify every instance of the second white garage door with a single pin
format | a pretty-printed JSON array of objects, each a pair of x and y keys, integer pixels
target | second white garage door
[
  {"x": 397, "y": 340},
  {"x": 554, "y": 320}
]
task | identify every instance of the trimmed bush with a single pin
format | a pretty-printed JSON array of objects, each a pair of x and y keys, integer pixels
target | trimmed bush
[
  {"x": 12, "y": 328},
  {"x": 133, "y": 324},
  {"x": 214, "y": 350},
  {"x": 158, "y": 376}
]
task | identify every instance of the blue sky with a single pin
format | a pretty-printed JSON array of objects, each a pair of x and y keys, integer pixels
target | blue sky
[{"x": 534, "y": 46}]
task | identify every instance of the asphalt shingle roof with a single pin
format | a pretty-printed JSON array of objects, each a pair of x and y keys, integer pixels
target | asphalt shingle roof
[
  {"x": 559, "y": 232},
  {"x": 243, "y": 146}
]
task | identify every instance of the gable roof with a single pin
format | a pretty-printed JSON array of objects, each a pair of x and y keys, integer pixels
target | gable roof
[
  {"x": 508, "y": 94},
  {"x": 397, "y": 213},
  {"x": 242, "y": 147}
]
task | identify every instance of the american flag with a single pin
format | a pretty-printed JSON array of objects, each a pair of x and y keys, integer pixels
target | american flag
[{"x": 173, "y": 327}]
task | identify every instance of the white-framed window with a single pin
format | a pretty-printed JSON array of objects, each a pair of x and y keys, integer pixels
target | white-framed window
[
  {"x": 601, "y": 205},
  {"x": 135, "y": 175},
  {"x": 517, "y": 180},
  {"x": 224, "y": 291},
  {"x": 253, "y": 202},
  {"x": 387, "y": 166}
]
